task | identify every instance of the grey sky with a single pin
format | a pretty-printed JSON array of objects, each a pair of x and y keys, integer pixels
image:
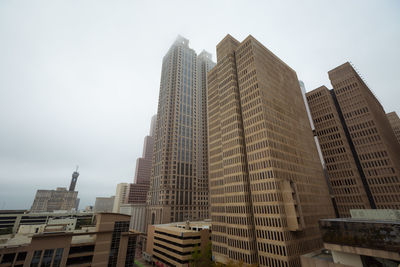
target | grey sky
[{"x": 79, "y": 80}]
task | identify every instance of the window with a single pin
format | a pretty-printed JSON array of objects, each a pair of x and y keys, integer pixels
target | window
[
  {"x": 57, "y": 257},
  {"x": 36, "y": 258},
  {"x": 47, "y": 257}
]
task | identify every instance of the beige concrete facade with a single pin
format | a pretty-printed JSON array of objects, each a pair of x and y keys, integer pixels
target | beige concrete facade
[
  {"x": 266, "y": 181},
  {"x": 178, "y": 184},
  {"x": 121, "y": 195},
  {"x": 108, "y": 243},
  {"x": 173, "y": 244},
  {"x": 394, "y": 121},
  {"x": 104, "y": 204},
  {"x": 52, "y": 200}
]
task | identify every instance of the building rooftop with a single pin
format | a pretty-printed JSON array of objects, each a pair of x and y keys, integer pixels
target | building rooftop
[{"x": 181, "y": 226}]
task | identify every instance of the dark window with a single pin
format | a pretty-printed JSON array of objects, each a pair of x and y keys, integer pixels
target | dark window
[
  {"x": 21, "y": 256},
  {"x": 47, "y": 257},
  {"x": 36, "y": 258},
  {"x": 81, "y": 249},
  {"x": 79, "y": 260},
  {"x": 119, "y": 227},
  {"x": 130, "y": 253},
  {"x": 8, "y": 258},
  {"x": 57, "y": 257}
]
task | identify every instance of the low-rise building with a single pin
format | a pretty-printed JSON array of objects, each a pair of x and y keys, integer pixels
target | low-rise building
[
  {"x": 172, "y": 244},
  {"x": 109, "y": 242},
  {"x": 368, "y": 238},
  {"x": 51, "y": 200},
  {"x": 11, "y": 220}
]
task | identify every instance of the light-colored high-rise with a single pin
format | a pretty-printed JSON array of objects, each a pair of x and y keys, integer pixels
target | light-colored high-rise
[
  {"x": 358, "y": 143},
  {"x": 120, "y": 196},
  {"x": 267, "y": 187},
  {"x": 178, "y": 186}
]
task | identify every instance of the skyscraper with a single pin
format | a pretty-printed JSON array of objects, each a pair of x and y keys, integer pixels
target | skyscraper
[
  {"x": 178, "y": 188},
  {"x": 138, "y": 190},
  {"x": 357, "y": 141},
  {"x": 267, "y": 186},
  {"x": 343, "y": 168},
  {"x": 395, "y": 123}
]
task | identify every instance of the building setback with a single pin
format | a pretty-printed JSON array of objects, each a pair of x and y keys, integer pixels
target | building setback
[
  {"x": 358, "y": 143},
  {"x": 138, "y": 190},
  {"x": 178, "y": 186},
  {"x": 267, "y": 187},
  {"x": 395, "y": 123}
]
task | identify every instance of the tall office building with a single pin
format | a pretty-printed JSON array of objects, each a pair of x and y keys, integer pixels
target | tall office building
[
  {"x": 138, "y": 190},
  {"x": 267, "y": 186},
  {"x": 178, "y": 190},
  {"x": 358, "y": 143},
  {"x": 395, "y": 123},
  {"x": 341, "y": 165}
]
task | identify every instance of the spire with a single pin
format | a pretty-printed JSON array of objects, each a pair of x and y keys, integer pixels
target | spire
[{"x": 75, "y": 176}]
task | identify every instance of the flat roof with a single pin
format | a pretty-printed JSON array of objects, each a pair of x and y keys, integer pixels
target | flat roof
[{"x": 351, "y": 220}]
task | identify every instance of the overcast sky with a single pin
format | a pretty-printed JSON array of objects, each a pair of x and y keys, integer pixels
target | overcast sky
[{"x": 79, "y": 80}]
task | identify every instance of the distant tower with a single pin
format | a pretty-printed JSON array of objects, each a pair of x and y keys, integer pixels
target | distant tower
[{"x": 75, "y": 175}]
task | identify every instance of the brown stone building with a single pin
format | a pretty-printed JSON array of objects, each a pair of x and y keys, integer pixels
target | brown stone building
[
  {"x": 357, "y": 141},
  {"x": 109, "y": 243},
  {"x": 395, "y": 123},
  {"x": 267, "y": 187},
  {"x": 138, "y": 190},
  {"x": 179, "y": 184}
]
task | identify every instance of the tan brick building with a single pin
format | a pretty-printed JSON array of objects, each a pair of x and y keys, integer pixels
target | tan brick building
[
  {"x": 394, "y": 121},
  {"x": 267, "y": 185},
  {"x": 172, "y": 244},
  {"x": 109, "y": 243},
  {"x": 359, "y": 146}
]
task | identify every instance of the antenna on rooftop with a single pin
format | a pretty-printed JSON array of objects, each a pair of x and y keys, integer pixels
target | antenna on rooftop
[{"x": 75, "y": 176}]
